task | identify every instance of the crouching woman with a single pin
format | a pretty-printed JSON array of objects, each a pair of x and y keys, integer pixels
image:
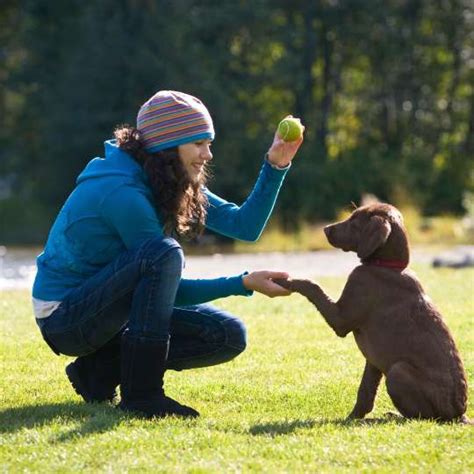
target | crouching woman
[{"x": 109, "y": 289}]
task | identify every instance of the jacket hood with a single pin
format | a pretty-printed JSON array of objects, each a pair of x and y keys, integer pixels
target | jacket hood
[{"x": 116, "y": 163}]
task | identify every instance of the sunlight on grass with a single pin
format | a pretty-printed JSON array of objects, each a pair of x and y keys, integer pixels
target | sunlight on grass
[{"x": 279, "y": 407}]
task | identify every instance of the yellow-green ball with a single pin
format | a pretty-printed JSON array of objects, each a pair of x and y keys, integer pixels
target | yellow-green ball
[{"x": 290, "y": 129}]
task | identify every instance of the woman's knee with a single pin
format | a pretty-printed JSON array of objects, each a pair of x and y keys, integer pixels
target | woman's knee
[
  {"x": 159, "y": 252},
  {"x": 236, "y": 335}
]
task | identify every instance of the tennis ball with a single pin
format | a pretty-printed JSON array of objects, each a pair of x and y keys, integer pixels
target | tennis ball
[{"x": 290, "y": 129}]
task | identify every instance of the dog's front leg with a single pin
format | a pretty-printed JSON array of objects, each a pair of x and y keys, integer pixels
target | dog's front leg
[
  {"x": 325, "y": 305},
  {"x": 367, "y": 391}
]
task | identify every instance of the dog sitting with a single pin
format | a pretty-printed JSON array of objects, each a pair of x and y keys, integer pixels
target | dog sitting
[{"x": 397, "y": 328}]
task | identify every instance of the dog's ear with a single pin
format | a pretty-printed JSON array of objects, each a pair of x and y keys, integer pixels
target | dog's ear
[{"x": 373, "y": 236}]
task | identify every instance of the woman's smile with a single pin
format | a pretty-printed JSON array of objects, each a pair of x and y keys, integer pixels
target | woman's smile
[{"x": 194, "y": 156}]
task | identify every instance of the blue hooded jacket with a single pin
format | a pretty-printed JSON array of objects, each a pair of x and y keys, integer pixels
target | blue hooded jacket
[{"x": 111, "y": 210}]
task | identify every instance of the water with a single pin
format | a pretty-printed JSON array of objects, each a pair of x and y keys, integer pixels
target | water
[{"x": 17, "y": 267}]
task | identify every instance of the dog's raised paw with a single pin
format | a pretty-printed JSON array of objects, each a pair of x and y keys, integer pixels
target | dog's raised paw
[{"x": 283, "y": 283}]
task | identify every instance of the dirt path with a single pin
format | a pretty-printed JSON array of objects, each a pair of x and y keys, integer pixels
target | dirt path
[{"x": 298, "y": 264}]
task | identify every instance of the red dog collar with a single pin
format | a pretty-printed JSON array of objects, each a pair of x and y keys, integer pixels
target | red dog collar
[{"x": 387, "y": 263}]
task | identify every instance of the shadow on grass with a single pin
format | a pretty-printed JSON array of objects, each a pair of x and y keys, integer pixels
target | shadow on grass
[
  {"x": 289, "y": 426},
  {"x": 87, "y": 419}
]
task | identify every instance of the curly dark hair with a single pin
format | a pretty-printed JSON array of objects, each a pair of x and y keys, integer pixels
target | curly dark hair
[{"x": 180, "y": 203}]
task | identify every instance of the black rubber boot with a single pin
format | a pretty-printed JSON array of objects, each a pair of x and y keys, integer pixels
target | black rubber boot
[
  {"x": 95, "y": 376},
  {"x": 143, "y": 368}
]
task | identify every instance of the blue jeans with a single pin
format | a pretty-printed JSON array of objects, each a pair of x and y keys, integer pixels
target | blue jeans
[{"x": 137, "y": 292}]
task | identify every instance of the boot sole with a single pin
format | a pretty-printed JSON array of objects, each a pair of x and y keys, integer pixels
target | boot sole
[{"x": 141, "y": 413}]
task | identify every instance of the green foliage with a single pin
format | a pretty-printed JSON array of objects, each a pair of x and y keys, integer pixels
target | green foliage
[
  {"x": 279, "y": 407},
  {"x": 384, "y": 88},
  {"x": 24, "y": 224}
]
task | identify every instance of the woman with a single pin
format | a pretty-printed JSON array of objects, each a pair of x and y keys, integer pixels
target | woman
[{"x": 109, "y": 289}]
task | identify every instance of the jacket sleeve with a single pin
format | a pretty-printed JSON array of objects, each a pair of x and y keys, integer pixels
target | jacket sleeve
[
  {"x": 131, "y": 214},
  {"x": 246, "y": 222},
  {"x": 197, "y": 291}
]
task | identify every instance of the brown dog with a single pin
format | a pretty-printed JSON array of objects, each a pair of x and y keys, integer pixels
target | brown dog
[{"x": 396, "y": 326}]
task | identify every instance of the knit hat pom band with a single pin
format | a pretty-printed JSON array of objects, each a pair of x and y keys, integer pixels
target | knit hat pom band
[{"x": 172, "y": 118}]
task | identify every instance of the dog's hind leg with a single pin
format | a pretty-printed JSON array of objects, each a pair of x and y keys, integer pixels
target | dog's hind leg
[
  {"x": 367, "y": 391},
  {"x": 410, "y": 392}
]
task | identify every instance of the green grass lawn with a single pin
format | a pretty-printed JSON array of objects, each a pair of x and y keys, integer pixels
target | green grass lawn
[{"x": 279, "y": 407}]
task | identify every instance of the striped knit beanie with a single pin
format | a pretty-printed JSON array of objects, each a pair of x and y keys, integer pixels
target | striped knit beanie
[{"x": 172, "y": 118}]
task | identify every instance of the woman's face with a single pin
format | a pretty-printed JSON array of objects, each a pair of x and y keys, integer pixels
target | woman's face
[{"x": 194, "y": 156}]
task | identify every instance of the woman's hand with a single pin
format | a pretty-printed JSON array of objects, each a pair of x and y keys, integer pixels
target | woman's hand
[
  {"x": 281, "y": 153},
  {"x": 262, "y": 282}
]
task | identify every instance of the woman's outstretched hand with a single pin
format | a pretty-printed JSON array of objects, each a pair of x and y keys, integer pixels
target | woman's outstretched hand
[
  {"x": 281, "y": 153},
  {"x": 262, "y": 282}
]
